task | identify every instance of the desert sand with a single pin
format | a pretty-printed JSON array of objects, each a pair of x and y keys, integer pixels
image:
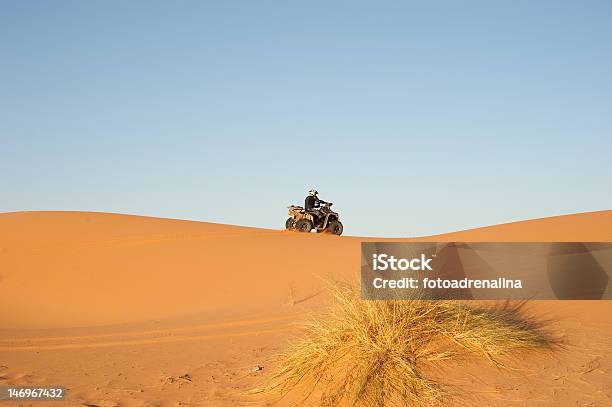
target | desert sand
[{"x": 139, "y": 311}]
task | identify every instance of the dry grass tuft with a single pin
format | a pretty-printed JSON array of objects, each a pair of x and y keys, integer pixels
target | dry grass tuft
[{"x": 372, "y": 353}]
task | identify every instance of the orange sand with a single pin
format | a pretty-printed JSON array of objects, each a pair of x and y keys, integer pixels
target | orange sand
[{"x": 121, "y": 308}]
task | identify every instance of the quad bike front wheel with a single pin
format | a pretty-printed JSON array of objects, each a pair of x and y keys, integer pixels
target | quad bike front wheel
[
  {"x": 289, "y": 223},
  {"x": 303, "y": 225},
  {"x": 334, "y": 227}
]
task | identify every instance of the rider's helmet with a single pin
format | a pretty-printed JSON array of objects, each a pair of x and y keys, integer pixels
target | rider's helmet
[{"x": 313, "y": 192}]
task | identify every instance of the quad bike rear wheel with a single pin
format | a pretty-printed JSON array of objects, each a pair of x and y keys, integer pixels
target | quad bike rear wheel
[
  {"x": 289, "y": 223},
  {"x": 335, "y": 227},
  {"x": 303, "y": 225}
]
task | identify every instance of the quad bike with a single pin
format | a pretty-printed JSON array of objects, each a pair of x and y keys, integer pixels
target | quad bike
[{"x": 303, "y": 221}]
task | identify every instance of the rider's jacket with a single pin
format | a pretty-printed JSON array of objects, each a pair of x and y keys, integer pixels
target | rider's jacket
[{"x": 311, "y": 202}]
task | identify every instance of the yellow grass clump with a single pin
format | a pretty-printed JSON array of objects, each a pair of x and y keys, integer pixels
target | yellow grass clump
[{"x": 372, "y": 353}]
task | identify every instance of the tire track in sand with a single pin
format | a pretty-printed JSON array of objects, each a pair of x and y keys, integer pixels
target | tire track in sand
[{"x": 232, "y": 329}]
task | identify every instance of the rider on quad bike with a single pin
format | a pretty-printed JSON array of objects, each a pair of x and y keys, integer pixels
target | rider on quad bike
[{"x": 316, "y": 214}]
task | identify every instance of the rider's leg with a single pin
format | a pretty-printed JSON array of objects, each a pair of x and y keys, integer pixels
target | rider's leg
[{"x": 316, "y": 216}]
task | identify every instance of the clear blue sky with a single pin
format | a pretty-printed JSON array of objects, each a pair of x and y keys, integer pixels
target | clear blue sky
[{"x": 412, "y": 117}]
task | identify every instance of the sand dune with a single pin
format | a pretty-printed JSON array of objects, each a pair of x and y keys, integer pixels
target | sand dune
[
  {"x": 130, "y": 310},
  {"x": 87, "y": 269},
  {"x": 70, "y": 269}
]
